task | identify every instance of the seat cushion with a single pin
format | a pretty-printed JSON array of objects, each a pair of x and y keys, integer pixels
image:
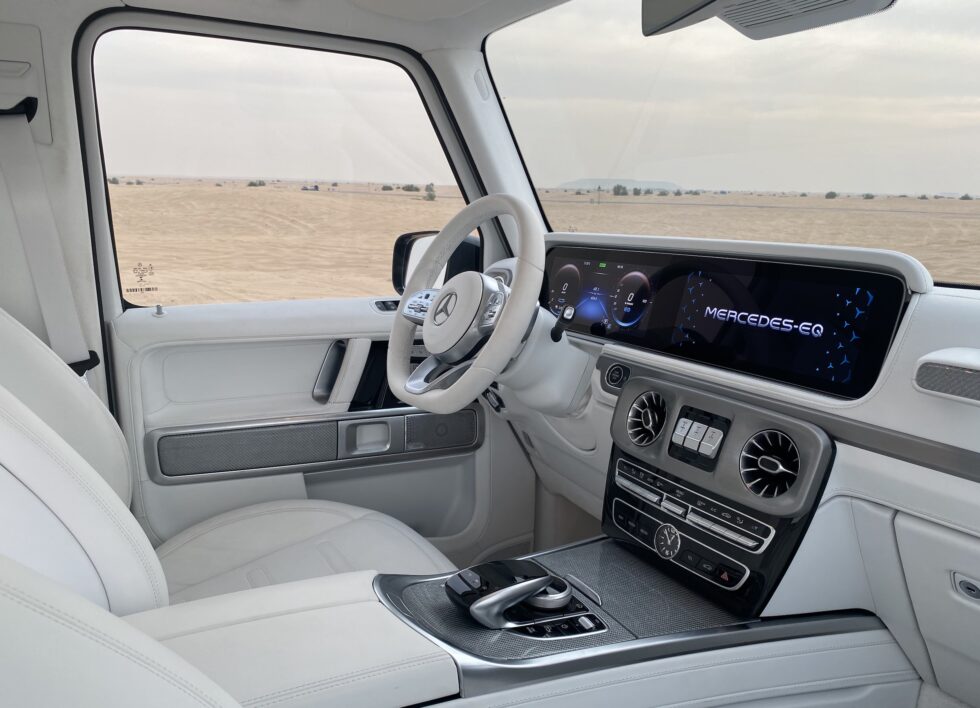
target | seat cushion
[{"x": 277, "y": 542}]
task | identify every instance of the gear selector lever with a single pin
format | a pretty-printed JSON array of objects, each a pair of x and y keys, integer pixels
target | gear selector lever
[{"x": 488, "y": 590}]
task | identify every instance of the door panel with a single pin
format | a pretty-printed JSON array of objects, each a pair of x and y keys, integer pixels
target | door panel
[{"x": 218, "y": 405}]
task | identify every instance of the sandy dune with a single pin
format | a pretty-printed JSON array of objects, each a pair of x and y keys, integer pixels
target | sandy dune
[{"x": 207, "y": 243}]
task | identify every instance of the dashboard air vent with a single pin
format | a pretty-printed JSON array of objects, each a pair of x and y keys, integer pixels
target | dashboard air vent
[
  {"x": 646, "y": 418},
  {"x": 770, "y": 463}
]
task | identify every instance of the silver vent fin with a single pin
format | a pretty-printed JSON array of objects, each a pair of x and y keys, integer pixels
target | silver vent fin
[
  {"x": 770, "y": 463},
  {"x": 646, "y": 418}
]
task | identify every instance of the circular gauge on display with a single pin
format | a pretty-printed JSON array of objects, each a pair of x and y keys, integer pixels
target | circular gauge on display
[
  {"x": 565, "y": 288},
  {"x": 630, "y": 300}
]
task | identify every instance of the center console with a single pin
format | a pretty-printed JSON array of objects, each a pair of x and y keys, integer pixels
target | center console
[{"x": 706, "y": 501}]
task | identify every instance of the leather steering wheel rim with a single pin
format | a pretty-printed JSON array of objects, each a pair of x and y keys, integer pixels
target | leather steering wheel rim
[{"x": 511, "y": 324}]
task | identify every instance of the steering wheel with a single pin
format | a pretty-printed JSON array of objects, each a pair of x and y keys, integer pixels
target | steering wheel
[{"x": 474, "y": 325}]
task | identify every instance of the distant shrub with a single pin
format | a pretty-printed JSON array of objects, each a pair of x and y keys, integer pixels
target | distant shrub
[
  {"x": 804, "y": 194},
  {"x": 637, "y": 191},
  {"x": 648, "y": 191},
  {"x": 678, "y": 193},
  {"x": 113, "y": 180},
  {"x": 430, "y": 192},
  {"x": 139, "y": 181},
  {"x": 619, "y": 190},
  {"x": 830, "y": 195},
  {"x": 867, "y": 195},
  {"x": 966, "y": 198},
  {"x": 923, "y": 196},
  {"x": 333, "y": 184},
  {"x": 386, "y": 188},
  {"x": 410, "y": 188},
  {"x": 663, "y": 193},
  {"x": 578, "y": 192},
  {"x": 256, "y": 183},
  {"x": 218, "y": 184},
  {"x": 129, "y": 182}
]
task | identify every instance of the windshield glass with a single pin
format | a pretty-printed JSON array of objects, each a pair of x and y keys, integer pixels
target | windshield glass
[{"x": 865, "y": 133}]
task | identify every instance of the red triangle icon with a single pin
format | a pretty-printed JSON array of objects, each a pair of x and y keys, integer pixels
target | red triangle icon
[{"x": 724, "y": 576}]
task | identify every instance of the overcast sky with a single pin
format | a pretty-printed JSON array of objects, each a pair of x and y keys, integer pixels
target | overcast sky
[{"x": 889, "y": 103}]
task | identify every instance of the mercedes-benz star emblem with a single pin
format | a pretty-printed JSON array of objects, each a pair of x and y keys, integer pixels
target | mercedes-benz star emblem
[{"x": 444, "y": 309}]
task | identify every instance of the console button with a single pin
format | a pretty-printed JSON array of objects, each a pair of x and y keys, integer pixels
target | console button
[
  {"x": 471, "y": 578},
  {"x": 695, "y": 435},
  {"x": 644, "y": 531},
  {"x": 616, "y": 375},
  {"x": 699, "y": 520},
  {"x": 620, "y": 515},
  {"x": 690, "y": 558},
  {"x": 586, "y": 624},
  {"x": 672, "y": 507},
  {"x": 728, "y": 576},
  {"x": 706, "y": 566},
  {"x": 710, "y": 442},
  {"x": 680, "y": 432}
]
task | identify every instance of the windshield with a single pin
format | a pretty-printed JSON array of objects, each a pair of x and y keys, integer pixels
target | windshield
[{"x": 865, "y": 133}]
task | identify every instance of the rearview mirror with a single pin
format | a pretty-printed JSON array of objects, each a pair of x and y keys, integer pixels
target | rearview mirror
[{"x": 758, "y": 19}]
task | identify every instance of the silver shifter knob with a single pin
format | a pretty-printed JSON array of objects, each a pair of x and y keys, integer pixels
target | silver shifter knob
[{"x": 489, "y": 610}]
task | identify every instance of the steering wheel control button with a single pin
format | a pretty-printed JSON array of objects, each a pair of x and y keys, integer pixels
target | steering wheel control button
[
  {"x": 711, "y": 442},
  {"x": 617, "y": 375},
  {"x": 680, "y": 432}
]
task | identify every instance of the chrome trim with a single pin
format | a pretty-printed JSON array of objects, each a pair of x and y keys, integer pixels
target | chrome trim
[
  {"x": 479, "y": 676},
  {"x": 700, "y": 512},
  {"x": 152, "y": 437},
  {"x": 489, "y": 609}
]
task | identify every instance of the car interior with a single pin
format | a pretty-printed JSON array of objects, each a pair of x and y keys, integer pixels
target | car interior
[{"x": 520, "y": 454}]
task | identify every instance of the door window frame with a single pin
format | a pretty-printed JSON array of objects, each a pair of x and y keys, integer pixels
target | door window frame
[{"x": 111, "y": 300}]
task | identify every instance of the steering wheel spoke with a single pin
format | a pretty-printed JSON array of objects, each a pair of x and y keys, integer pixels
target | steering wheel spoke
[
  {"x": 415, "y": 308},
  {"x": 434, "y": 374}
]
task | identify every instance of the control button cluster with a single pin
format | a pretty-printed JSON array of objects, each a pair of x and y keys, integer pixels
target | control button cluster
[
  {"x": 699, "y": 511},
  {"x": 418, "y": 305},
  {"x": 674, "y": 546},
  {"x": 563, "y": 627},
  {"x": 697, "y": 437}
]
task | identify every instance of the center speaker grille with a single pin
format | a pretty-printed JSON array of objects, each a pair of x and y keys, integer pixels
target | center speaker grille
[{"x": 646, "y": 418}]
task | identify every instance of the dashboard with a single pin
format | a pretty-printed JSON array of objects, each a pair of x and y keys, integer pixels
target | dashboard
[{"x": 822, "y": 328}]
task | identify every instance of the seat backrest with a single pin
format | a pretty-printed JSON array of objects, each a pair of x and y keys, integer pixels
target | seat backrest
[
  {"x": 60, "y": 518},
  {"x": 33, "y": 373},
  {"x": 59, "y": 650}
]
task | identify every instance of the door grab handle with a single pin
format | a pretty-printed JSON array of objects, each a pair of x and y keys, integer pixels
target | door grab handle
[{"x": 329, "y": 371}]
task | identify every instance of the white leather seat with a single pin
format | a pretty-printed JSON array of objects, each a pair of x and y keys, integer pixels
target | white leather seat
[{"x": 65, "y": 489}]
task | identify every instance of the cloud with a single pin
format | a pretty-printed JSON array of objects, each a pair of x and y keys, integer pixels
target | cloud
[{"x": 887, "y": 103}]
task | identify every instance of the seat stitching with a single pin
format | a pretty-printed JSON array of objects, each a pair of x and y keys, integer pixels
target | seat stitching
[
  {"x": 203, "y": 629},
  {"x": 438, "y": 558},
  {"x": 265, "y": 556},
  {"x": 343, "y": 679},
  {"x": 92, "y": 633},
  {"x": 84, "y": 484},
  {"x": 235, "y": 518}
]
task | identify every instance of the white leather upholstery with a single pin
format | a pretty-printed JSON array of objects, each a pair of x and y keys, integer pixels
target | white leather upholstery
[
  {"x": 61, "y": 518},
  {"x": 276, "y": 542},
  {"x": 320, "y": 642},
  {"x": 34, "y": 374},
  {"x": 59, "y": 650}
]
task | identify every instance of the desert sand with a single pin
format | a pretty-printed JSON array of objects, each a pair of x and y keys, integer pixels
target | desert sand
[{"x": 192, "y": 241}]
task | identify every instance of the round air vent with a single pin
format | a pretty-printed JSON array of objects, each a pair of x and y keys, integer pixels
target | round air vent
[
  {"x": 770, "y": 463},
  {"x": 646, "y": 418}
]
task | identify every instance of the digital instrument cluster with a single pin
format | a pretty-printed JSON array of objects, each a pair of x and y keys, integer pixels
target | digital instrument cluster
[{"x": 822, "y": 328}]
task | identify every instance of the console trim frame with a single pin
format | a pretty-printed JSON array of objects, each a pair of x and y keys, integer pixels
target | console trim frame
[{"x": 480, "y": 676}]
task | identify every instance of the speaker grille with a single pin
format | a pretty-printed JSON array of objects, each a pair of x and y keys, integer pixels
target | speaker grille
[
  {"x": 428, "y": 431},
  {"x": 950, "y": 380},
  {"x": 247, "y": 448}
]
